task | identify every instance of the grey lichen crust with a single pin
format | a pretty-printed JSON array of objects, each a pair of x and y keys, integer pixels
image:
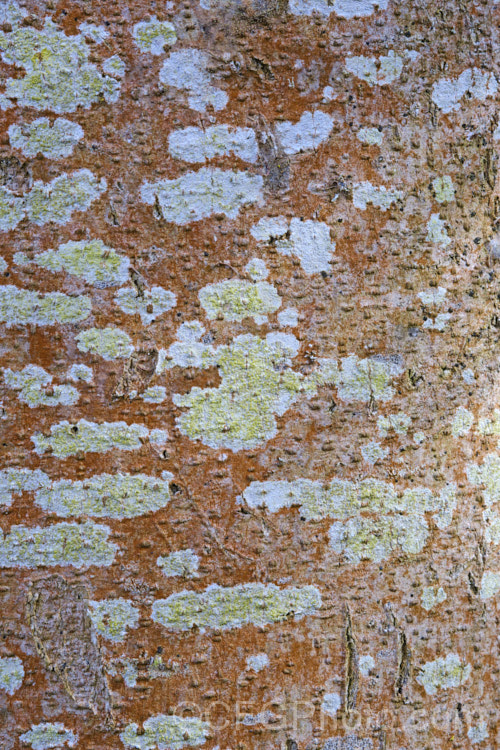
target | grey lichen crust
[{"x": 248, "y": 603}]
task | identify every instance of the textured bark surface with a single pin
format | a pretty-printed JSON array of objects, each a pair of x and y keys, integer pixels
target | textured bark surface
[{"x": 250, "y": 389}]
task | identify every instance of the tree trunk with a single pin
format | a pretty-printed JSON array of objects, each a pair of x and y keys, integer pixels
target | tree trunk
[{"x": 250, "y": 462}]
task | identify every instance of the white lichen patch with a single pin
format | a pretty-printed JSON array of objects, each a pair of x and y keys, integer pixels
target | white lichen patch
[
  {"x": 366, "y": 663},
  {"x": 478, "y": 733},
  {"x": 114, "y": 66},
  {"x": 310, "y": 241},
  {"x": 308, "y": 133},
  {"x": 93, "y": 31},
  {"x": 3, "y": 264},
  {"x": 488, "y": 476},
  {"x": 80, "y": 545},
  {"x": 198, "y": 195},
  {"x": 378, "y": 195},
  {"x": 14, "y": 481},
  {"x": 68, "y": 439},
  {"x": 155, "y": 394},
  {"x": 35, "y": 388},
  {"x": 257, "y": 383},
  {"x": 374, "y": 519},
  {"x": 108, "y": 343},
  {"x": 234, "y": 300},
  {"x": 90, "y": 260},
  {"x": 490, "y": 584},
  {"x": 20, "y": 307},
  {"x": 371, "y": 136},
  {"x": 187, "y": 70},
  {"x": 368, "y": 379},
  {"x": 432, "y": 596},
  {"x": 373, "y": 452},
  {"x": 490, "y": 425},
  {"x": 343, "y": 8},
  {"x": 448, "y": 92},
  {"x": 111, "y": 618},
  {"x": 399, "y": 422},
  {"x": 269, "y": 228},
  {"x": 289, "y": 317},
  {"x": 11, "y": 674},
  {"x": 40, "y": 137},
  {"x": 57, "y": 200},
  {"x": 182, "y": 563},
  {"x": 11, "y": 12},
  {"x": 104, "y": 495},
  {"x": 436, "y": 231},
  {"x": 45, "y": 736},
  {"x": 444, "y": 190},
  {"x": 154, "y": 35},
  {"x": 433, "y": 296},
  {"x": 257, "y": 662},
  {"x": 224, "y": 608},
  {"x": 200, "y": 144},
  {"x": 130, "y": 673},
  {"x": 438, "y": 323},
  {"x": 331, "y": 703},
  {"x": 58, "y": 74},
  {"x": 380, "y": 71},
  {"x": 80, "y": 373},
  {"x": 188, "y": 350},
  {"x": 462, "y": 422},
  {"x": 148, "y": 304},
  {"x": 166, "y": 733},
  {"x": 443, "y": 673}
]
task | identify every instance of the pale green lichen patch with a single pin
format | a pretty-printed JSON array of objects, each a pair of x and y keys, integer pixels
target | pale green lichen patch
[
  {"x": 374, "y": 519},
  {"x": 198, "y": 195},
  {"x": 12, "y": 13},
  {"x": 490, "y": 425},
  {"x": 20, "y": 307},
  {"x": 490, "y": 584},
  {"x": 378, "y": 195},
  {"x": 12, "y": 210},
  {"x": 433, "y": 296},
  {"x": 200, "y": 144},
  {"x": 223, "y": 608},
  {"x": 14, "y": 481},
  {"x": 80, "y": 373},
  {"x": 152, "y": 36},
  {"x": 149, "y": 304},
  {"x": 187, "y": 70},
  {"x": 166, "y": 733},
  {"x": 112, "y": 617},
  {"x": 436, "y": 231},
  {"x": 11, "y": 674},
  {"x": 40, "y": 137},
  {"x": 373, "y": 452},
  {"x": 3, "y": 264},
  {"x": 443, "y": 673},
  {"x": 488, "y": 476},
  {"x": 45, "y": 736},
  {"x": 462, "y": 422},
  {"x": 399, "y": 422},
  {"x": 438, "y": 323},
  {"x": 108, "y": 343},
  {"x": 68, "y": 439},
  {"x": 182, "y": 563},
  {"x": 380, "y": 71},
  {"x": 235, "y": 299},
  {"x": 35, "y": 388},
  {"x": 432, "y": 596},
  {"x": 444, "y": 190},
  {"x": 155, "y": 394},
  {"x": 59, "y": 76},
  {"x": 368, "y": 379},
  {"x": 104, "y": 495},
  {"x": 114, "y": 66},
  {"x": 90, "y": 260},
  {"x": 81, "y": 545},
  {"x": 257, "y": 383},
  {"x": 188, "y": 350},
  {"x": 308, "y": 133},
  {"x": 371, "y": 136},
  {"x": 57, "y": 200}
]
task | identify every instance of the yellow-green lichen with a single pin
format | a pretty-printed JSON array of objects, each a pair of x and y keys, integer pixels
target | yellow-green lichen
[
  {"x": 20, "y": 307},
  {"x": 373, "y": 452},
  {"x": 371, "y": 136},
  {"x": 223, "y": 608},
  {"x": 436, "y": 231},
  {"x": 182, "y": 563},
  {"x": 11, "y": 674},
  {"x": 91, "y": 260},
  {"x": 166, "y": 733},
  {"x": 112, "y": 617},
  {"x": 152, "y": 36},
  {"x": 399, "y": 422},
  {"x": 40, "y": 137},
  {"x": 104, "y": 495},
  {"x": 443, "y": 673},
  {"x": 81, "y": 545},
  {"x": 155, "y": 394},
  {"x": 35, "y": 387},
  {"x": 57, "y": 200},
  {"x": 149, "y": 303},
  {"x": 45, "y": 736},
  {"x": 59, "y": 76},
  {"x": 12, "y": 210},
  {"x": 490, "y": 425},
  {"x": 462, "y": 422},
  {"x": 257, "y": 383},
  {"x": 431, "y": 596},
  {"x": 108, "y": 343},
  {"x": 198, "y": 195},
  {"x": 14, "y": 481},
  {"x": 235, "y": 299},
  {"x": 368, "y": 379},
  {"x": 444, "y": 190},
  {"x": 68, "y": 439}
]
